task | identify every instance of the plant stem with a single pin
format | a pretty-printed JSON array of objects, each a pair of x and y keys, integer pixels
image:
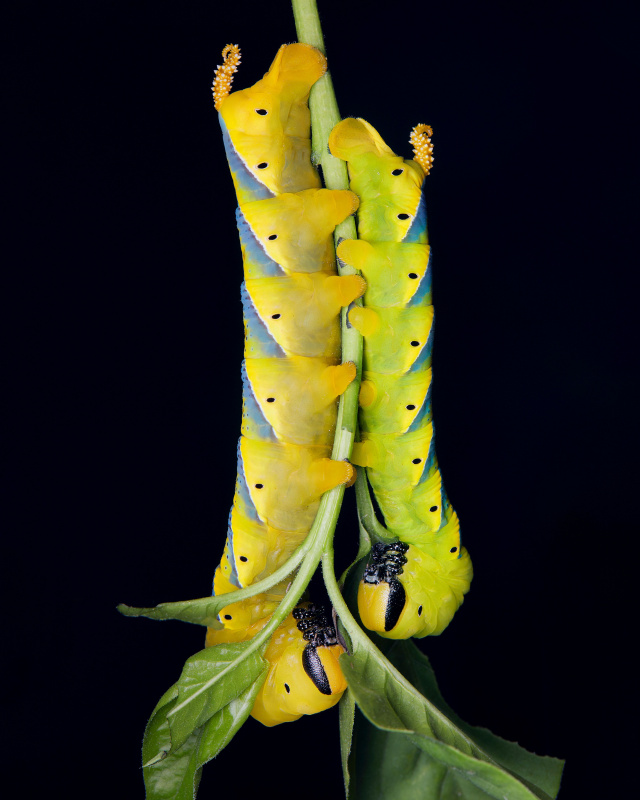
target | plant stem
[
  {"x": 366, "y": 513},
  {"x": 324, "y": 111},
  {"x": 324, "y": 116}
]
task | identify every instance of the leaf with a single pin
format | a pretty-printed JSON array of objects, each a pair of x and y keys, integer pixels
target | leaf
[
  {"x": 346, "y": 714},
  {"x": 157, "y": 738},
  {"x": 177, "y": 776},
  {"x": 391, "y": 703},
  {"x": 210, "y": 680},
  {"x": 406, "y": 767},
  {"x": 541, "y": 771},
  {"x": 388, "y": 764},
  {"x": 202, "y": 611},
  {"x": 167, "y": 776},
  {"x": 224, "y": 725}
]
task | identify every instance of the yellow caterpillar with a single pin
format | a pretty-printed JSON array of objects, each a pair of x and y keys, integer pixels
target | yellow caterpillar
[{"x": 292, "y": 375}]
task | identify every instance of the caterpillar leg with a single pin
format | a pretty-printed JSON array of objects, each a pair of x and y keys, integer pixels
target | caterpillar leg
[
  {"x": 363, "y": 454},
  {"x": 326, "y": 474},
  {"x": 336, "y": 379},
  {"x": 397, "y": 274},
  {"x": 344, "y": 289},
  {"x": 365, "y": 320},
  {"x": 397, "y": 340}
]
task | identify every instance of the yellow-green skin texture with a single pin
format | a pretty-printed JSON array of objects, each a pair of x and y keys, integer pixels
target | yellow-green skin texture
[
  {"x": 396, "y": 426},
  {"x": 292, "y": 376}
]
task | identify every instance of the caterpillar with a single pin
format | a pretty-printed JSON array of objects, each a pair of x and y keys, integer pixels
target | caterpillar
[
  {"x": 292, "y": 375},
  {"x": 413, "y": 585}
]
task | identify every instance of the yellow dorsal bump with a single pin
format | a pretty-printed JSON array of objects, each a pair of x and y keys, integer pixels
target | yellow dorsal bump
[
  {"x": 223, "y": 76},
  {"x": 420, "y": 140}
]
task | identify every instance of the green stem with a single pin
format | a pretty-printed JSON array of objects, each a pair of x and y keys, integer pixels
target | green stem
[
  {"x": 324, "y": 112},
  {"x": 324, "y": 116},
  {"x": 366, "y": 513},
  {"x": 308, "y": 28}
]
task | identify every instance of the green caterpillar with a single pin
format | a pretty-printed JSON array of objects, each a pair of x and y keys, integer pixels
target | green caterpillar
[{"x": 411, "y": 586}]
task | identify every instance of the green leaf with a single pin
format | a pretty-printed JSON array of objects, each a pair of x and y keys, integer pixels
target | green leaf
[
  {"x": 177, "y": 776},
  {"x": 210, "y": 680},
  {"x": 224, "y": 725},
  {"x": 541, "y": 771},
  {"x": 415, "y": 767},
  {"x": 202, "y": 611},
  {"x": 385, "y": 764},
  {"x": 168, "y": 777},
  {"x": 423, "y": 753},
  {"x": 346, "y": 714},
  {"x": 157, "y": 738},
  {"x": 491, "y": 778},
  {"x": 389, "y": 701}
]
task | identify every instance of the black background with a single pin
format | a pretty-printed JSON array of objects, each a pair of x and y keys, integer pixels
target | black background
[{"x": 132, "y": 339}]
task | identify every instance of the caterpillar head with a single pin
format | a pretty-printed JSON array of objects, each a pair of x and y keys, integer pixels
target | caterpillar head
[
  {"x": 381, "y": 596},
  {"x": 304, "y": 675},
  {"x": 406, "y": 592}
]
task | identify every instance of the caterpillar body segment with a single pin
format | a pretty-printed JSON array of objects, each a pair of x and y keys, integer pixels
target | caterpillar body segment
[
  {"x": 397, "y": 274},
  {"x": 292, "y": 377},
  {"x": 411, "y": 587},
  {"x": 394, "y": 404},
  {"x": 297, "y": 314},
  {"x": 285, "y": 481},
  {"x": 400, "y": 340},
  {"x": 293, "y": 232},
  {"x": 292, "y": 399}
]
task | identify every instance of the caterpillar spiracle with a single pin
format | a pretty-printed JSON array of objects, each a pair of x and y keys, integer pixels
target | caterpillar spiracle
[
  {"x": 292, "y": 375},
  {"x": 411, "y": 586}
]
